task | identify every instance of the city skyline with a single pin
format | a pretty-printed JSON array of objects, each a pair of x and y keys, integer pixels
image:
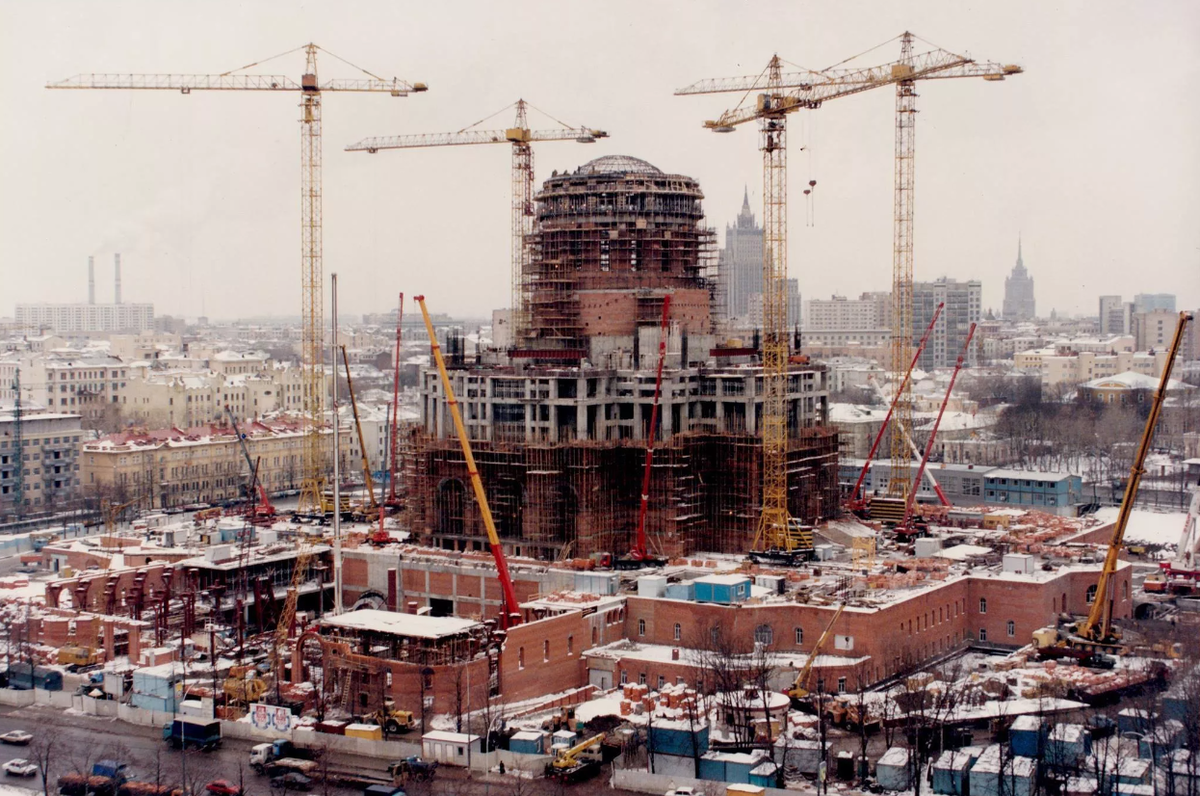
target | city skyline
[{"x": 199, "y": 193}]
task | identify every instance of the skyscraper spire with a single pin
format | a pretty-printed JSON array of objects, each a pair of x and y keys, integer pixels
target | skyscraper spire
[
  {"x": 1020, "y": 262},
  {"x": 746, "y": 200}
]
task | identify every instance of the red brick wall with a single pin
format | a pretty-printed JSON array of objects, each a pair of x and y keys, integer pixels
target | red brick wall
[
  {"x": 605, "y": 312},
  {"x": 526, "y": 671}
]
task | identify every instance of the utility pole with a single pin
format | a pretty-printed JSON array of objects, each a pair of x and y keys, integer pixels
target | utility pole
[
  {"x": 337, "y": 472},
  {"x": 18, "y": 441}
]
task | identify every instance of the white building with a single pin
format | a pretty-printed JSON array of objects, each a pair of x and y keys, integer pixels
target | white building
[{"x": 87, "y": 317}]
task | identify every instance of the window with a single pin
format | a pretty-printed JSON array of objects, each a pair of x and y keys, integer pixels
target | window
[
  {"x": 546, "y": 650},
  {"x": 983, "y": 634},
  {"x": 841, "y": 685},
  {"x": 799, "y": 636},
  {"x": 983, "y": 605},
  {"x": 570, "y": 645},
  {"x": 662, "y": 681},
  {"x": 764, "y": 634},
  {"x": 1011, "y": 628},
  {"x": 520, "y": 657},
  {"x": 678, "y": 631},
  {"x": 641, "y": 627},
  {"x": 1091, "y": 594},
  {"x": 642, "y": 678}
]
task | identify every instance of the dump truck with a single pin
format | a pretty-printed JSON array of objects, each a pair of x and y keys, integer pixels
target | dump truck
[
  {"x": 264, "y": 754},
  {"x": 188, "y": 731}
]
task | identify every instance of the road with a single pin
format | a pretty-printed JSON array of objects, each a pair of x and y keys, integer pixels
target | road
[{"x": 81, "y": 739}]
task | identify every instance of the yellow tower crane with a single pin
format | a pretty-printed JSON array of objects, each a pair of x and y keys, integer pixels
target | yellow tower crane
[
  {"x": 775, "y": 95},
  {"x": 520, "y": 136},
  {"x": 312, "y": 306}
]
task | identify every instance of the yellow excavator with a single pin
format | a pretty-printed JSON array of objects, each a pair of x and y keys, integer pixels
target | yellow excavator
[
  {"x": 1095, "y": 638},
  {"x": 579, "y": 762},
  {"x": 799, "y": 691}
]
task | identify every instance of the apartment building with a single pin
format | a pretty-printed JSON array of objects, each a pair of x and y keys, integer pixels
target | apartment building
[{"x": 39, "y": 463}]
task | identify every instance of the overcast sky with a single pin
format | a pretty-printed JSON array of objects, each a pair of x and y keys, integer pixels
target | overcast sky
[{"x": 1091, "y": 155}]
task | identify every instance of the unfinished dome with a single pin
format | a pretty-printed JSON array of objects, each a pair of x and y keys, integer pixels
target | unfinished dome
[
  {"x": 613, "y": 238},
  {"x": 618, "y": 164}
]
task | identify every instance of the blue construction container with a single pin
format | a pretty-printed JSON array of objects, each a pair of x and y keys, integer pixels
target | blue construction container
[
  {"x": 1166, "y": 738},
  {"x": 681, "y": 741},
  {"x": 681, "y": 591},
  {"x": 992, "y": 775},
  {"x": 765, "y": 775},
  {"x": 950, "y": 772},
  {"x": 527, "y": 743},
  {"x": 722, "y": 589},
  {"x": 732, "y": 767},
  {"x": 1066, "y": 746},
  {"x": 1025, "y": 736},
  {"x": 892, "y": 772},
  {"x": 1134, "y": 720}
]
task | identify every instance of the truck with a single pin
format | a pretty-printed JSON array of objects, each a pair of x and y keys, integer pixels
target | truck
[
  {"x": 188, "y": 731},
  {"x": 412, "y": 767},
  {"x": 292, "y": 765},
  {"x": 264, "y": 754}
]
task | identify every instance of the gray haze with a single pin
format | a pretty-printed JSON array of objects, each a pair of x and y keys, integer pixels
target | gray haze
[{"x": 1091, "y": 155}]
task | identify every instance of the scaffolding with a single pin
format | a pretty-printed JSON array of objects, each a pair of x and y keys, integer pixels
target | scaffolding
[
  {"x": 616, "y": 223},
  {"x": 555, "y": 501}
]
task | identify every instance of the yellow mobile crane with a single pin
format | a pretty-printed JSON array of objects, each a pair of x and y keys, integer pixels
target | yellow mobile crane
[
  {"x": 578, "y": 762},
  {"x": 1095, "y": 636},
  {"x": 370, "y": 506},
  {"x": 799, "y": 691}
]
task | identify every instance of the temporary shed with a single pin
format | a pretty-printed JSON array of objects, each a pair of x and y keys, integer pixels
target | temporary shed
[
  {"x": 447, "y": 748},
  {"x": 892, "y": 771}
]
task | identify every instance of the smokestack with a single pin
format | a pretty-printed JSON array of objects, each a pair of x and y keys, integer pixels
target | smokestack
[
  {"x": 117, "y": 285},
  {"x": 91, "y": 280}
]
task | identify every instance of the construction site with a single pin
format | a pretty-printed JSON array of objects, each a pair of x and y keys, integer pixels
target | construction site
[{"x": 617, "y": 537}]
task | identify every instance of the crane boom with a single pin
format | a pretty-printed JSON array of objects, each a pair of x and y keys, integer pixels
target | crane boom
[
  {"x": 895, "y": 397},
  {"x": 799, "y": 688},
  {"x": 512, "y": 135},
  {"x": 520, "y": 137},
  {"x": 1098, "y": 625},
  {"x": 510, "y": 614},
  {"x": 368, "y": 481},
  {"x": 640, "y": 552},
  {"x": 912, "y": 493}
]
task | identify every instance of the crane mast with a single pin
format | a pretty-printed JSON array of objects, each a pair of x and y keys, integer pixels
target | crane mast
[
  {"x": 394, "y": 447},
  {"x": 902, "y": 265}
]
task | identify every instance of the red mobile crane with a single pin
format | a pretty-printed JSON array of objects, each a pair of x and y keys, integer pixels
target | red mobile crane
[
  {"x": 906, "y": 530},
  {"x": 258, "y": 506},
  {"x": 511, "y": 615},
  {"x": 394, "y": 448},
  {"x": 857, "y": 504},
  {"x": 639, "y": 556}
]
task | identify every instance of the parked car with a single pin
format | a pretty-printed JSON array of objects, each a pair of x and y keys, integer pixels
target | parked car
[
  {"x": 16, "y": 737},
  {"x": 223, "y": 787},
  {"x": 20, "y": 767},
  {"x": 292, "y": 781},
  {"x": 684, "y": 790}
]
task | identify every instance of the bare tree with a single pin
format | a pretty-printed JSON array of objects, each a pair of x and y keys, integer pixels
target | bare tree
[{"x": 43, "y": 752}]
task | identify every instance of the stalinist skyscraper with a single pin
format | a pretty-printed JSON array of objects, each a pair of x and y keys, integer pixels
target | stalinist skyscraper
[{"x": 1018, "y": 292}]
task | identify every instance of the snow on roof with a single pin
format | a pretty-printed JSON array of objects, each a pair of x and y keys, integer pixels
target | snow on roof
[
  {"x": 896, "y": 756},
  {"x": 398, "y": 624},
  {"x": 1134, "y": 381},
  {"x": 961, "y": 552},
  {"x": 723, "y": 580},
  {"x": 1148, "y": 527},
  {"x": 1030, "y": 475},
  {"x": 854, "y": 413},
  {"x": 450, "y": 737}
]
